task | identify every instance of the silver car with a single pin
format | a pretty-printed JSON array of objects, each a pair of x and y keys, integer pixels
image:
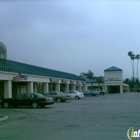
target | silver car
[{"x": 58, "y": 96}]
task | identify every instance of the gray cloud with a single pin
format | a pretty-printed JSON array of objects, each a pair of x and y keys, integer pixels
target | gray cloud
[{"x": 71, "y": 36}]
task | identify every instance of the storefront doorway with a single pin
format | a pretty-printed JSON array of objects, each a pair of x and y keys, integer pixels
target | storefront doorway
[{"x": 114, "y": 89}]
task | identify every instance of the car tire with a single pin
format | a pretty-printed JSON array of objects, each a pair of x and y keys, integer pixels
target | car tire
[
  {"x": 58, "y": 100},
  {"x": 6, "y": 105},
  {"x": 76, "y": 97},
  {"x": 34, "y": 104}
]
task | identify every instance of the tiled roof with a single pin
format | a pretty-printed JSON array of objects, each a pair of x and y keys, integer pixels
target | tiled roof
[
  {"x": 113, "y": 68},
  {"x": 17, "y": 67}
]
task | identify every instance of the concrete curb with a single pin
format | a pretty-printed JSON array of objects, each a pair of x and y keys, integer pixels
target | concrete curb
[{"x": 3, "y": 118}]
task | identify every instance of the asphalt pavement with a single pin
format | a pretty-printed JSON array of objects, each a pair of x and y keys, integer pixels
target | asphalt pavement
[{"x": 104, "y": 117}]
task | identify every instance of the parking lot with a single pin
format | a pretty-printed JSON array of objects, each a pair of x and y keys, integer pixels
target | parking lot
[{"x": 104, "y": 117}]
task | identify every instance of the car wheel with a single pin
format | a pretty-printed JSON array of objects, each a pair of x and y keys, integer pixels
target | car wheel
[
  {"x": 6, "y": 105},
  {"x": 58, "y": 100},
  {"x": 76, "y": 97},
  {"x": 34, "y": 104}
]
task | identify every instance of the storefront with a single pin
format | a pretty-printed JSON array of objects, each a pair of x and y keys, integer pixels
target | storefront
[
  {"x": 112, "y": 82},
  {"x": 37, "y": 79},
  {"x": 17, "y": 78}
]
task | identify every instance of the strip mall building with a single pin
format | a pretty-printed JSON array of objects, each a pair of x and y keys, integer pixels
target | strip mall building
[
  {"x": 51, "y": 79},
  {"x": 112, "y": 82}
]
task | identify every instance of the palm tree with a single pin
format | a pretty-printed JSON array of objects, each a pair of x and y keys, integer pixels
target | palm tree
[
  {"x": 132, "y": 57},
  {"x": 89, "y": 75},
  {"x": 137, "y": 57}
]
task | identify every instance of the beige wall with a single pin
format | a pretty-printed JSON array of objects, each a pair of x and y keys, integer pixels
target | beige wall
[{"x": 114, "y": 77}]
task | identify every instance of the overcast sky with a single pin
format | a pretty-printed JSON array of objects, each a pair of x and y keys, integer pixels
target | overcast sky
[{"x": 73, "y": 36}]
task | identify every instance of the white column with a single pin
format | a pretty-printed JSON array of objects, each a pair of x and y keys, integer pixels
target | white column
[
  {"x": 106, "y": 88},
  {"x": 46, "y": 88},
  {"x": 35, "y": 87},
  {"x": 74, "y": 87},
  {"x": 30, "y": 87},
  {"x": 79, "y": 87},
  {"x": 84, "y": 87},
  {"x": 66, "y": 87},
  {"x": 57, "y": 86},
  {"x": 121, "y": 89},
  {"x": 8, "y": 89}
]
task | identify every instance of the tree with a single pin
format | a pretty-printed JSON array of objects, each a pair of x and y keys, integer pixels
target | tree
[
  {"x": 131, "y": 84},
  {"x": 99, "y": 80},
  {"x": 132, "y": 57},
  {"x": 89, "y": 75},
  {"x": 137, "y": 57}
]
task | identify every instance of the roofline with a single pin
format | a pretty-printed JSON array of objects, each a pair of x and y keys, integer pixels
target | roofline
[{"x": 4, "y": 67}]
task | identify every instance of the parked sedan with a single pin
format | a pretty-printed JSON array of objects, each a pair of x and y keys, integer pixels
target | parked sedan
[
  {"x": 27, "y": 99},
  {"x": 58, "y": 96},
  {"x": 75, "y": 94}
]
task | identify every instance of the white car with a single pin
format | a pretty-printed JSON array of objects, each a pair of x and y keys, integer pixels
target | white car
[
  {"x": 94, "y": 92},
  {"x": 91, "y": 92},
  {"x": 75, "y": 94}
]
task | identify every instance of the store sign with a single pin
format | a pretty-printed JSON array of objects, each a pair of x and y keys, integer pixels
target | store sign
[
  {"x": 23, "y": 77},
  {"x": 112, "y": 79}
]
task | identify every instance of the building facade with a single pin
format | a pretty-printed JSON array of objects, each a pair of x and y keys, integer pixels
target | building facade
[
  {"x": 16, "y": 77},
  {"x": 31, "y": 77},
  {"x": 112, "y": 82}
]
